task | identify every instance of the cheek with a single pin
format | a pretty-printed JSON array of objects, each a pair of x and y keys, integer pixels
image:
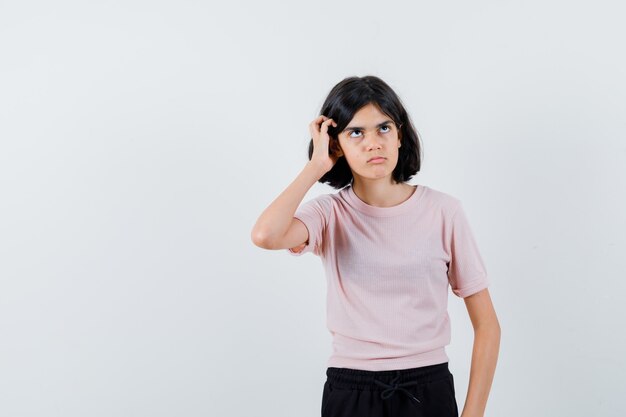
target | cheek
[{"x": 350, "y": 158}]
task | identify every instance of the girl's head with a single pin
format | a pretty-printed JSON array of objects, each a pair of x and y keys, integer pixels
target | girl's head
[{"x": 371, "y": 121}]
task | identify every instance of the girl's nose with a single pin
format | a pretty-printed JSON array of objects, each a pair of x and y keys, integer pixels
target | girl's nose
[{"x": 373, "y": 143}]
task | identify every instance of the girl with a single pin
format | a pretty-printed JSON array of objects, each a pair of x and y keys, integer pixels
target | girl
[{"x": 390, "y": 250}]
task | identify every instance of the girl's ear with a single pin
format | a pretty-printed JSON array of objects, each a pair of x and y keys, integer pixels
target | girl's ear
[{"x": 335, "y": 149}]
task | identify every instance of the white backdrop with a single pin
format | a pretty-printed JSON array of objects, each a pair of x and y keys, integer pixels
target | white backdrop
[{"x": 141, "y": 140}]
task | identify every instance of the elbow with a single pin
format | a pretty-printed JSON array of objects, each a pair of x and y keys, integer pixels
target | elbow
[
  {"x": 496, "y": 326},
  {"x": 491, "y": 327},
  {"x": 496, "y": 332},
  {"x": 260, "y": 239}
]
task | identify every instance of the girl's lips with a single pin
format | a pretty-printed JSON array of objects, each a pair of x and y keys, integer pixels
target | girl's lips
[{"x": 376, "y": 160}]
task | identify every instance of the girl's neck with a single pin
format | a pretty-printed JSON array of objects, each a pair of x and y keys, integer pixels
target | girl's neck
[{"x": 379, "y": 194}]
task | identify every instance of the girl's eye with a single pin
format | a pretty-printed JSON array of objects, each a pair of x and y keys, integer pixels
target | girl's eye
[{"x": 382, "y": 127}]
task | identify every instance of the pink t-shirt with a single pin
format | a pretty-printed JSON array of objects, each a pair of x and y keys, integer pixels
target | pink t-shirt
[{"x": 388, "y": 270}]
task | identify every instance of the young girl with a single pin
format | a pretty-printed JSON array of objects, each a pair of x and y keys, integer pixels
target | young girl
[{"x": 390, "y": 250}]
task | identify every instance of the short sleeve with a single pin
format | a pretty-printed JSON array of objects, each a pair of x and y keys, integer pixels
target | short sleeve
[
  {"x": 313, "y": 214},
  {"x": 466, "y": 271}
]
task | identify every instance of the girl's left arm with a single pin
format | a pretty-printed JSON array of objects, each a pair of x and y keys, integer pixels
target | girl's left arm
[{"x": 484, "y": 352}]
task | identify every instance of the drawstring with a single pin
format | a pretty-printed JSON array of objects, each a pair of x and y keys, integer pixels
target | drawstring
[{"x": 390, "y": 389}]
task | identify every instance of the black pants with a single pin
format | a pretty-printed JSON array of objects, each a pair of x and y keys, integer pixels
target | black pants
[{"x": 426, "y": 391}]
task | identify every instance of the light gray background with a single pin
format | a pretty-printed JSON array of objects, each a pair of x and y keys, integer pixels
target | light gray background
[{"x": 140, "y": 141}]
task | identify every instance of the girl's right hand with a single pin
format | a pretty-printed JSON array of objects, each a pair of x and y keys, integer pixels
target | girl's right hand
[{"x": 319, "y": 131}]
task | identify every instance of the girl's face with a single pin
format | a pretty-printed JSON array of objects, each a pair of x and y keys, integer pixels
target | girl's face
[{"x": 369, "y": 134}]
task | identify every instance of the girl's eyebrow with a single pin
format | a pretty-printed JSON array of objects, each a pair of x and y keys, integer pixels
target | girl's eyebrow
[{"x": 362, "y": 128}]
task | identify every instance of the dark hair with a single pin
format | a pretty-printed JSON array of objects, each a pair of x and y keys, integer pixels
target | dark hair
[{"x": 343, "y": 101}]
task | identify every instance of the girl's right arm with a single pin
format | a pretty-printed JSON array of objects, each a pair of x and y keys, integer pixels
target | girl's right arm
[{"x": 276, "y": 228}]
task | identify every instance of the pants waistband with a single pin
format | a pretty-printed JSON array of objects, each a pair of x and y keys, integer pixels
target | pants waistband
[{"x": 388, "y": 381}]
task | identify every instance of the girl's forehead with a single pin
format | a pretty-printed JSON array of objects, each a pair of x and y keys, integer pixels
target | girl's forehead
[
  {"x": 369, "y": 110},
  {"x": 369, "y": 115}
]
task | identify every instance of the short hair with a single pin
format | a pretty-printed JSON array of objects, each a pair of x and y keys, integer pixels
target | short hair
[{"x": 343, "y": 101}]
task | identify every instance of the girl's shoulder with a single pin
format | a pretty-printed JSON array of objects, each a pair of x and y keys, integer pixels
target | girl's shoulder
[{"x": 440, "y": 197}]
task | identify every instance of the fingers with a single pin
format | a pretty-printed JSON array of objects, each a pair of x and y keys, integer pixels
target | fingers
[
  {"x": 314, "y": 125},
  {"x": 317, "y": 121},
  {"x": 320, "y": 124},
  {"x": 324, "y": 127}
]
